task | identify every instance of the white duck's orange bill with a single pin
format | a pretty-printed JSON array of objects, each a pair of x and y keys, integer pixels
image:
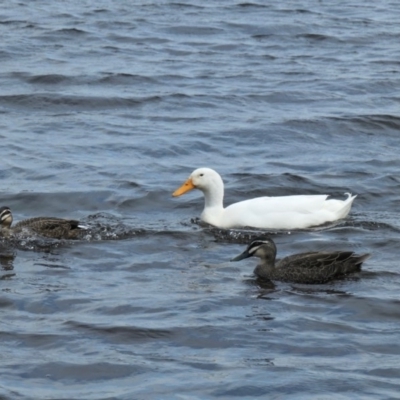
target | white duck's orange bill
[{"x": 188, "y": 185}]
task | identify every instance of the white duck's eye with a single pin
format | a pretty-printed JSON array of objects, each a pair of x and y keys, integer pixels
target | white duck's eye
[{"x": 201, "y": 174}]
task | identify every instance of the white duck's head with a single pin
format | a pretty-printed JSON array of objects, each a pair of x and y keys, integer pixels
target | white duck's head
[{"x": 205, "y": 179}]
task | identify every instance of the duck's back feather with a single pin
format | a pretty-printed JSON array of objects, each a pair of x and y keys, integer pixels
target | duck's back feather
[
  {"x": 318, "y": 267},
  {"x": 52, "y": 227},
  {"x": 285, "y": 212}
]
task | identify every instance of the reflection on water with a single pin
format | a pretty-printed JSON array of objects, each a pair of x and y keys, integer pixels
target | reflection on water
[{"x": 6, "y": 262}]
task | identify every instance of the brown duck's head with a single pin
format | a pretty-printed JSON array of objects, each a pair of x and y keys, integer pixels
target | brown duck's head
[
  {"x": 261, "y": 247},
  {"x": 6, "y": 217}
]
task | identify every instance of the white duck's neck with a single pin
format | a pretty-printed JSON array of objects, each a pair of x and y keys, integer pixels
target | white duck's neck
[
  {"x": 214, "y": 197},
  {"x": 213, "y": 202}
]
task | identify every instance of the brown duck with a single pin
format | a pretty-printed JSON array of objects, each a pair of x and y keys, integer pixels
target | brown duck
[
  {"x": 51, "y": 227},
  {"x": 313, "y": 267}
]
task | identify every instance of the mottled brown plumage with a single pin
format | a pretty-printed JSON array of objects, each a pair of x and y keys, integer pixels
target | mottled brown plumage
[
  {"x": 51, "y": 227},
  {"x": 313, "y": 267}
]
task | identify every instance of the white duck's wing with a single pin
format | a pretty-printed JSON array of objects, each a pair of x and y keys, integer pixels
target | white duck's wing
[{"x": 285, "y": 212}]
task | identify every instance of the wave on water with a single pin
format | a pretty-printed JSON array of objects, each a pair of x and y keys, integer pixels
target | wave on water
[
  {"x": 53, "y": 101},
  {"x": 376, "y": 121},
  {"x": 247, "y": 234},
  {"x": 122, "y": 333}
]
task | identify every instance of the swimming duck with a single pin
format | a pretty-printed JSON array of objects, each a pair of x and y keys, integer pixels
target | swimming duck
[
  {"x": 51, "y": 227},
  {"x": 284, "y": 212},
  {"x": 314, "y": 267}
]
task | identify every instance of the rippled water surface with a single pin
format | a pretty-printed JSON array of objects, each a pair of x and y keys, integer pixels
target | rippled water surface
[{"x": 106, "y": 107}]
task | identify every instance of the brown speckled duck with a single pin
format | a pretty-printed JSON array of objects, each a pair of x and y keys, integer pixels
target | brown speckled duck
[
  {"x": 313, "y": 267},
  {"x": 51, "y": 227}
]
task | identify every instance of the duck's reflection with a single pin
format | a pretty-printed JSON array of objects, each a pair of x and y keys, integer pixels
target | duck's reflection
[{"x": 6, "y": 263}]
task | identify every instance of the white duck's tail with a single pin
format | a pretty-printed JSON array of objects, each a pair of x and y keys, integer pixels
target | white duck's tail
[
  {"x": 340, "y": 207},
  {"x": 346, "y": 205}
]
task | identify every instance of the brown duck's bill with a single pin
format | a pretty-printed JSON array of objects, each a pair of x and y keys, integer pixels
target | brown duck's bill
[
  {"x": 242, "y": 256},
  {"x": 188, "y": 185}
]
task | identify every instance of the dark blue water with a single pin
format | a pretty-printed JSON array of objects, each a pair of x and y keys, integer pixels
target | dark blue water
[{"x": 106, "y": 107}]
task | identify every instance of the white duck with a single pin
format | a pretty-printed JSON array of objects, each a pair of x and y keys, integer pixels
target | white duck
[{"x": 285, "y": 212}]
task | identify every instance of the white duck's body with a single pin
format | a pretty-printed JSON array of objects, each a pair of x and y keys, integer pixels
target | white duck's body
[{"x": 284, "y": 212}]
